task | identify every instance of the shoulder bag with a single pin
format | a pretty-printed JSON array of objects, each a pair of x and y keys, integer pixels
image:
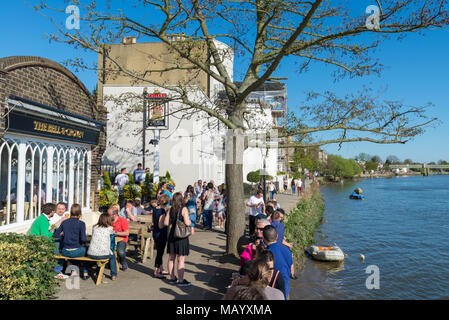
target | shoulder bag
[{"x": 181, "y": 230}]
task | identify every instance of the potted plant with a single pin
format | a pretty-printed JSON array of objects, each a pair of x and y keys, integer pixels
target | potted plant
[{"x": 108, "y": 196}]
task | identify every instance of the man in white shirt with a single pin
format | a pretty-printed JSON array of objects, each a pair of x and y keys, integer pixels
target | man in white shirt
[
  {"x": 121, "y": 179},
  {"x": 61, "y": 215},
  {"x": 299, "y": 186},
  {"x": 256, "y": 207}
]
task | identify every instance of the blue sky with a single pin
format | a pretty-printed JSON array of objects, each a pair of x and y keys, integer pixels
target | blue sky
[{"x": 416, "y": 72}]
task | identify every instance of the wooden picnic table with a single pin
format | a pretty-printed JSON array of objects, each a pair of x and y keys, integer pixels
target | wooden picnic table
[{"x": 140, "y": 228}]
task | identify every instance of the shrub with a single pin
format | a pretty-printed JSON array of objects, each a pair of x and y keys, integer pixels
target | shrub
[
  {"x": 302, "y": 222},
  {"x": 108, "y": 197},
  {"x": 131, "y": 192},
  {"x": 107, "y": 181},
  {"x": 131, "y": 179},
  {"x": 149, "y": 189},
  {"x": 26, "y": 268}
]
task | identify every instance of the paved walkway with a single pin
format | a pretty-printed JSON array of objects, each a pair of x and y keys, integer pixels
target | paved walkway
[{"x": 207, "y": 267}]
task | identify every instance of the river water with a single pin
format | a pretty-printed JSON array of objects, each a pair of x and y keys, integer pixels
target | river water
[{"x": 402, "y": 227}]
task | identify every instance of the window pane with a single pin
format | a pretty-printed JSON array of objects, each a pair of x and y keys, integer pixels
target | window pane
[
  {"x": 75, "y": 178},
  {"x": 66, "y": 173},
  {"x": 29, "y": 205},
  {"x": 13, "y": 194},
  {"x": 55, "y": 177},
  {"x": 81, "y": 180}
]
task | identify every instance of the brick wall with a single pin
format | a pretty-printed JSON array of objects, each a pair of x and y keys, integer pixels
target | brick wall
[{"x": 47, "y": 82}]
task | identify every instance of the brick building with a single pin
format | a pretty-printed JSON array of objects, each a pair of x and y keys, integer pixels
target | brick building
[{"x": 52, "y": 138}]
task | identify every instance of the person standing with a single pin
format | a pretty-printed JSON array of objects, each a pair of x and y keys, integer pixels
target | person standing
[
  {"x": 256, "y": 206},
  {"x": 299, "y": 186},
  {"x": 177, "y": 248},
  {"x": 293, "y": 185},
  {"x": 72, "y": 234},
  {"x": 160, "y": 235},
  {"x": 285, "y": 184},
  {"x": 221, "y": 206},
  {"x": 198, "y": 188},
  {"x": 139, "y": 174},
  {"x": 271, "y": 188},
  {"x": 283, "y": 258},
  {"x": 191, "y": 202},
  {"x": 209, "y": 201},
  {"x": 121, "y": 179}
]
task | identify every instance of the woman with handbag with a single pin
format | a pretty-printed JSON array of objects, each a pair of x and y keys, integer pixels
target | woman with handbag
[{"x": 178, "y": 238}]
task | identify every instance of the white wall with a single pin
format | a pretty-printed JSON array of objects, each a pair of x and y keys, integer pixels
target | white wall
[{"x": 186, "y": 148}]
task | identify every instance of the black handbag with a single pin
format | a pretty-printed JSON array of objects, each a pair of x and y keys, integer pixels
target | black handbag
[{"x": 181, "y": 230}]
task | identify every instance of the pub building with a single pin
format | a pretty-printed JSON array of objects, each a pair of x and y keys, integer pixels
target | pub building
[{"x": 52, "y": 138}]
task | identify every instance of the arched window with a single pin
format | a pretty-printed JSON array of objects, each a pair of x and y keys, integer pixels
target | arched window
[{"x": 35, "y": 172}]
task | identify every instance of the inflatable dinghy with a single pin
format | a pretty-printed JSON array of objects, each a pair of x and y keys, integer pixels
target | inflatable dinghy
[
  {"x": 323, "y": 253},
  {"x": 356, "y": 196}
]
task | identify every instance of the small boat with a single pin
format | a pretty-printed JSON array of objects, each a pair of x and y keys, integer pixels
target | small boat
[
  {"x": 356, "y": 196},
  {"x": 326, "y": 253}
]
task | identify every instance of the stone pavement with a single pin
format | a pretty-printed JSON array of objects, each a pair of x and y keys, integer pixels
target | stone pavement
[{"x": 207, "y": 267}]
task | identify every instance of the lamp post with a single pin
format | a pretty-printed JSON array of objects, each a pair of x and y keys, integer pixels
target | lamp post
[
  {"x": 264, "y": 180},
  {"x": 144, "y": 124}
]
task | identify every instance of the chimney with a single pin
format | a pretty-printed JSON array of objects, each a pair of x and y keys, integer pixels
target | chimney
[{"x": 129, "y": 40}]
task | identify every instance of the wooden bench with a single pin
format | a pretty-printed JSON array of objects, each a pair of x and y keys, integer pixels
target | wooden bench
[{"x": 101, "y": 264}]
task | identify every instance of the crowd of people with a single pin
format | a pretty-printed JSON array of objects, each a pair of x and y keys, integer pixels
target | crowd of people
[
  {"x": 201, "y": 202},
  {"x": 266, "y": 264}
]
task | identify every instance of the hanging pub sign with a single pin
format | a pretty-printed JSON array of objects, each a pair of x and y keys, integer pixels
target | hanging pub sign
[{"x": 157, "y": 104}]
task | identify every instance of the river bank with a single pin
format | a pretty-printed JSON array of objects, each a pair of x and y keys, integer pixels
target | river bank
[{"x": 302, "y": 221}]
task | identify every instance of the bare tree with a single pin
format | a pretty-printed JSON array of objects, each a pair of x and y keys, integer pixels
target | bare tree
[{"x": 262, "y": 34}]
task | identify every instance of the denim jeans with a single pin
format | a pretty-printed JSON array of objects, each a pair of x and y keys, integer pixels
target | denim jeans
[
  {"x": 293, "y": 190},
  {"x": 207, "y": 218},
  {"x": 79, "y": 252},
  {"x": 112, "y": 262},
  {"x": 271, "y": 195},
  {"x": 121, "y": 253}
]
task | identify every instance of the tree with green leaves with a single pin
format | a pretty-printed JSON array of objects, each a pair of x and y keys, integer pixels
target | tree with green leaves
[
  {"x": 338, "y": 166},
  {"x": 262, "y": 35},
  {"x": 371, "y": 165}
]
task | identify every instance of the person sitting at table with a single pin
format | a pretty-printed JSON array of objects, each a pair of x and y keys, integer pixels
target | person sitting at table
[
  {"x": 129, "y": 212},
  {"x": 72, "y": 234},
  {"x": 121, "y": 228},
  {"x": 100, "y": 244},
  {"x": 160, "y": 233},
  {"x": 139, "y": 208}
]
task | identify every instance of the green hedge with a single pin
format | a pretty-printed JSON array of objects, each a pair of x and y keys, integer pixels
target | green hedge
[
  {"x": 301, "y": 223},
  {"x": 26, "y": 267}
]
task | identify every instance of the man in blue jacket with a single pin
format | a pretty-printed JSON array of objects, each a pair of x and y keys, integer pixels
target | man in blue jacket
[{"x": 283, "y": 259}]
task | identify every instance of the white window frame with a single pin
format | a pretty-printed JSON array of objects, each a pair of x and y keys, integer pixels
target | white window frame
[{"x": 64, "y": 149}]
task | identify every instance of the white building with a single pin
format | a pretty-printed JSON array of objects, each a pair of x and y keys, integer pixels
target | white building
[{"x": 192, "y": 147}]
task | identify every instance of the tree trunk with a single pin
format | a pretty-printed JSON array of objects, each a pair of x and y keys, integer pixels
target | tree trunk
[
  {"x": 235, "y": 148},
  {"x": 236, "y": 207}
]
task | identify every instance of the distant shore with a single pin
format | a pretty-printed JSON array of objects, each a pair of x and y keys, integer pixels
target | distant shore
[{"x": 322, "y": 180}]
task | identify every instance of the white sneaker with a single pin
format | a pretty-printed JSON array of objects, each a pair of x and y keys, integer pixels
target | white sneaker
[{"x": 61, "y": 276}]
